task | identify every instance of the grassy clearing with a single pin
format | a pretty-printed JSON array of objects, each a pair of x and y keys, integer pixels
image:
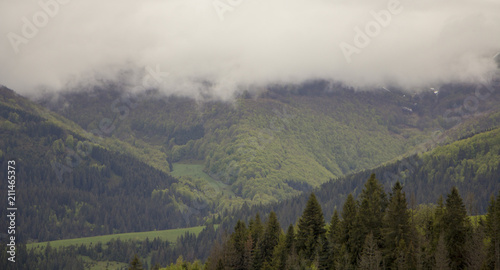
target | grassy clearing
[
  {"x": 169, "y": 235},
  {"x": 194, "y": 169}
]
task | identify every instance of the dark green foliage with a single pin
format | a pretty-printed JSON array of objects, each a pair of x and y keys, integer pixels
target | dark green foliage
[
  {"x": 371, "y": 256},
  {"x": 135, "y": 264},
  {"x": 372, "y": 206},
  {"x": 456, "y": 227},
  {"x": 238, "y": 241},
  {"x": 270, "y": 238},
  {"x": 493, "y": 232},
  {"x": 441, "y": 257},
  {"x": 396, "y": 230},
  {"x": 311, "y": 229},
  {"x": 433, "y": 237},
  {"x": 335, "y": 240},
  {"x": 350, "y": 228},
  {"x": 253, "y": 146}
]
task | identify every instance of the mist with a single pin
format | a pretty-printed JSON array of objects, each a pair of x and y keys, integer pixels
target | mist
[{"x": 218, "y": 48}]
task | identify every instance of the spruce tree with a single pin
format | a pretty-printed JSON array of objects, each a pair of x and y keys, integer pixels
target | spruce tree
[
  {"x": 396, "y": 229},
  {"x": 457, "y": 227},
  {"x": 493, "y": 232},
  {"x": 135, "y": 264},
  {"x": 325, "y": 261},
  {"x": 290, "y": 240},
  {"x": 270, "y": 239},
  {"x": 256, "y": 229},
  {"x": 238, "y": 241},
  {"x": 441, "y": 258},
  {"x": 311, "y": 228},
  {"x": 334, "y": 239},
  {"x": 373, "y": 202},
  {"x": 371, "y": 257},
  {"x": 350, "y": 238}
]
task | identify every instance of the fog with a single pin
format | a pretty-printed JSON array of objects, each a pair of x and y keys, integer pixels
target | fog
[{"x": 216, "y": 48}]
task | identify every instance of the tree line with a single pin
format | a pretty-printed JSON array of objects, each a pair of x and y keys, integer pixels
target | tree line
[{"x": 375, "y": 231}]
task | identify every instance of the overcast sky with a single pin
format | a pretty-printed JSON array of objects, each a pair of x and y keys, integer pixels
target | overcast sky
[{"x": 239, "y": 44}]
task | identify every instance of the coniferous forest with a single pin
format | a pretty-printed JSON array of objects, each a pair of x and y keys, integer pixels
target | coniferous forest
[{"x": 376, "y": 230}]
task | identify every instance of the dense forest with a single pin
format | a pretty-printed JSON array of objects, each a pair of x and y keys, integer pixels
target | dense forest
[
  {"x": 70, "y": 187},
  {"x": 276, "y": 144},
  {"x": 376, "y": 230},
  {"x": 423, "y": 176},
  {"x": 73, "y": 184}
]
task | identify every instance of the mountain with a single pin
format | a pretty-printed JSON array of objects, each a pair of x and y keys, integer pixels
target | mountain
[
  {"x": 70, "y": 185},
  {"x": 271, "y": 146},
  {"x": 471, "y": 164},
  {"x": 106, "y": 161}
]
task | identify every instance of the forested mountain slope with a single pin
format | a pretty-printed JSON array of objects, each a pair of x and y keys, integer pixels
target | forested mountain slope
[
  {"x": 472, "y": 165},
  {"x": 71, "y": 186},
  {"x": 279, "y": 143}
]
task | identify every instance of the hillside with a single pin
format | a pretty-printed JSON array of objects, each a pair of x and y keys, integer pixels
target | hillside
[
  {"x": 274, "y": 145},
  {"x": 69, "y": 185},
  {"x": 471, "y": 164}
]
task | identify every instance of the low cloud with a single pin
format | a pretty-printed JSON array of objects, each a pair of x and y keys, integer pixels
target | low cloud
[{"x": 206, "y": 47}]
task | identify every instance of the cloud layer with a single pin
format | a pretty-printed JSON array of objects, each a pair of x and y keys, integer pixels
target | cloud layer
[{"x": 228, "y": 45}]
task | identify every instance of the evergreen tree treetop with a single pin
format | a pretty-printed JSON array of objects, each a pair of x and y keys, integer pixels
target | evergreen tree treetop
[{"x": 311, "y": 228}]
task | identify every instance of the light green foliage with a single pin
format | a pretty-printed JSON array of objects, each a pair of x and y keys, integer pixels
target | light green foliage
[
  {"x": 169, "y": 235},
  {"x": 468, "y": 158}
]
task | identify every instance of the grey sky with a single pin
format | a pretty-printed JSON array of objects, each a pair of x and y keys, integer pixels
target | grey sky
[{"x": 250, "y": 43}]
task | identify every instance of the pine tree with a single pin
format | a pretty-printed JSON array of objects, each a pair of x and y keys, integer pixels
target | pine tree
[
  {"x": 290, "y": 240},
  {"x": 311, "y": 228},
  {"x": 280, "y": 254},
  {"x": 256, "y": 229},
  {"x": 396, "y": 229},
  {"x": 373, "y": 202},
  {"x": 493, "y": 232},
  {"x": 371, "y": 257},
  {"x": 135, "y": 264},
  {"x": 400, "y": 257},
  {"x": 248, "y": 253},
  {"x": 437, "y": 226},
  {"x": 220, "y": 265},
  {"x": 270, "y": 239},
  {"x": 237, "y": 243},
  {"x": 476, "y": 253},
  {"x": 334, "y": 239},
  {"x": 325, "y": 261},
  {"x": 350, "y": 238},
  {"x": 457, "y": 227},
  {"x": 441, "y": 258}
]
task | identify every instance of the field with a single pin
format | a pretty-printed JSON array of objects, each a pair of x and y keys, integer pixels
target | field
[
  {"x": 169, "y": 235},
  {"x": 194, "y": 169}
]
